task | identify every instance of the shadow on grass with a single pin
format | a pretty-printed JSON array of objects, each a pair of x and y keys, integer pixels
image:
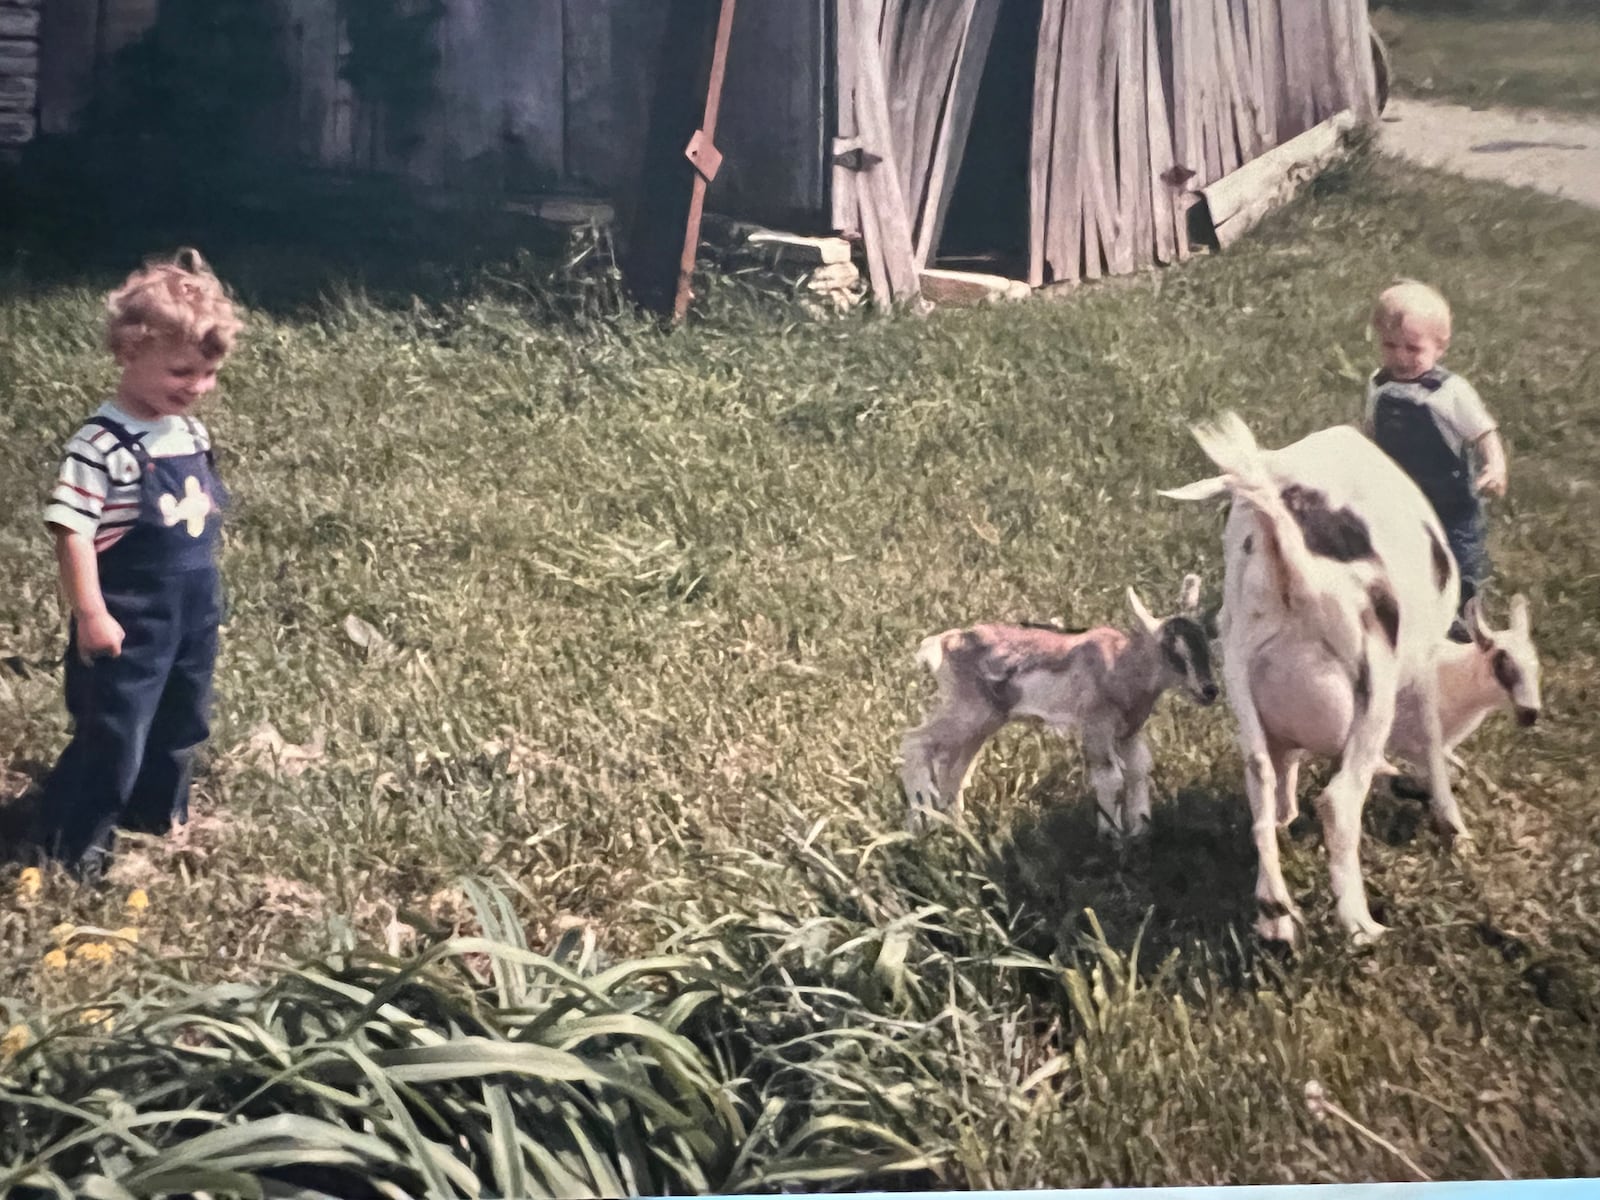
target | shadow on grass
[
  {"x": 19, "y": 806},
  {"x": 1188, "y": 885}
]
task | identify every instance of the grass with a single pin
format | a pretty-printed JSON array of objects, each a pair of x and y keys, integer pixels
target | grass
[
  {"x": 634, "y": 618},
  {"x": 1515, "y": 61}
]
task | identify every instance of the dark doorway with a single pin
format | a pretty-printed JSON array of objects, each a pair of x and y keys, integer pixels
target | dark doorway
[{"x": 986, "y": 228}]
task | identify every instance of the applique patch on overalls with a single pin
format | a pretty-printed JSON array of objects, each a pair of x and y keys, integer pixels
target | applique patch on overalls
[{"x": 192, "y": 510}]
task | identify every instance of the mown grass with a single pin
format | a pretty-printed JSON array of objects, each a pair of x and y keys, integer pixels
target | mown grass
[
  {"x": 646, "y": 607},
  {"x": 1514, "y": 61}
]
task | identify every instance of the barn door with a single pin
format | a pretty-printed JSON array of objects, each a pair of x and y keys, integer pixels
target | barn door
[
  {"x": 1103, "y": 197},
  {"x": 908, "y": 74},
  {"x": 933, "y": 54}
]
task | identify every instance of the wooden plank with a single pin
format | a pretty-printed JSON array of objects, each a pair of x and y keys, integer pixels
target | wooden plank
[
  {"x": 1296, "y": 94},
  {"x": 1342, "y": 67},
  {"x": 1245, "y": 79},
  {"x": 921, "y": 45},
  {"x": 1365, "y": 97},
  {"x": 1095, "y": 175},
  {"x": 1063, "y": 235},
  {"x": 1042, "y": 144},
  {"x": 1269, "y": 46},
  {"x": 969, "y": 287},
  {"x": 1238, "y": 201},
  {"x": 845, "y": 206},
  {"x": 1133, "y": 94},
  {"x": 1185, "y": 145},
  {"x": 1130, "y": 245},
  {"x": 956, "y": 125},
  {"x": 1079, "y": 54},
  {"x": 884, "y": 213},
  {"x": 1204, "y": 63},
  {"x": 855, "y": 17},
  {"x": 1231, "y": 115},
  {"x": 1227, "y": 138},
  {"x": 1159, "y": 144}
]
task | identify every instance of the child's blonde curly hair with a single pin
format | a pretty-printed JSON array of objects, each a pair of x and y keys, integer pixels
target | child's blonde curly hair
[
  {"x": 174, "y": 300},
  {"x": 1411, "y": 298}
]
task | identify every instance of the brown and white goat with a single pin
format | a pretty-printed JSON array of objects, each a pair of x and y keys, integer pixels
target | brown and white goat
[{"x": 1102, "y": 682}]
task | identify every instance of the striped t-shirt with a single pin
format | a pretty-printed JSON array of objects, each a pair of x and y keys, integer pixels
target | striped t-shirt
[{"x": 97, "y": 490}]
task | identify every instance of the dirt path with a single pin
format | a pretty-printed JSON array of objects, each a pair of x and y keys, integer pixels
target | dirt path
[{"x": 1559, "y": 155}]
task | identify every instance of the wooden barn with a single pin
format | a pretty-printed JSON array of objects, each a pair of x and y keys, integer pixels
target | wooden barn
[{"x": 1045, "y": 140}]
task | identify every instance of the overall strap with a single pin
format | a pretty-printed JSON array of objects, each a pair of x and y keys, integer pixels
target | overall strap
[
  {"x": 132, "y": 443},
  {"x": 193, "y": 427}
]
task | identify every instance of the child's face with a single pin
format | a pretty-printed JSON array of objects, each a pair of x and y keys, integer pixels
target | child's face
[
  {"x": 165, "y": 379},
  {"x": 1411, "y": 347}
]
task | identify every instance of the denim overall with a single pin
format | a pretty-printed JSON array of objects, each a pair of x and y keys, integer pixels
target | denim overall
[
  {"x": 1405, "y": 430},
  {"x": 137, "y": 718}
]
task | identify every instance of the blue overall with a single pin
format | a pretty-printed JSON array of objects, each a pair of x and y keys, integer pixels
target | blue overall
[
  {"x": 138, "y": 717},
  {"x": 1406, "y": 431}
]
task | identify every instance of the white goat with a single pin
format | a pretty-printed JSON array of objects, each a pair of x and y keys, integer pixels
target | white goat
[
  {"x": 1101, "y": 681},
  {"x": 1338, "y": 594}
]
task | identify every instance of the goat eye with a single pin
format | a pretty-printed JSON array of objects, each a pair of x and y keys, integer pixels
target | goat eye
[{"x": 1505, "y": 671}]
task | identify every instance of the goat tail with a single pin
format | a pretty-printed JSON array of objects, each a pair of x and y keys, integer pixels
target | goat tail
[
  {"x": 930, "y": 653},
  {"x": 1228, "y": 442}
]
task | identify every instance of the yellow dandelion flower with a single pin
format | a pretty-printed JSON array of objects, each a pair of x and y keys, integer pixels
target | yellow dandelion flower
[
  {"x": 94, "y": 952},
  {"x": 60, "y": 933},
  {"x": 95, "y": 1016},
  {"x": 14, "y": 1042},
  {"x": 138, "y": 900},
  {"x": 56, "y": 960},
  {"x": 29, "y": 883}
]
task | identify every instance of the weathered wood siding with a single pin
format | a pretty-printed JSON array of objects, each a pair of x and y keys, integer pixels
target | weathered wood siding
[
  {"x": 540, "y": 95},
  {"x": 773, "y": 127},
  {"x": 19, "y": 71}
]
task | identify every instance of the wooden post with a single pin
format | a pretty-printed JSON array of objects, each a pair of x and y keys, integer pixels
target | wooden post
[{"x": 703, "y": 154}]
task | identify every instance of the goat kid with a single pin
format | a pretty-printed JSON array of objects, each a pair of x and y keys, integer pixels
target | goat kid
[
  {"x": 1497, "y": 670},
  {"x": 1338, "y": 592},
  {"x": 1102, "y": 682}
]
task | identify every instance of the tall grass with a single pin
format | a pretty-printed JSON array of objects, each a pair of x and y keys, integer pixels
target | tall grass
[{"x": 624, "y": 621}]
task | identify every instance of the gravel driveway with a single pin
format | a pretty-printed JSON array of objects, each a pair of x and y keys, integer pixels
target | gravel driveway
[{"x": 1559, "y": 155}]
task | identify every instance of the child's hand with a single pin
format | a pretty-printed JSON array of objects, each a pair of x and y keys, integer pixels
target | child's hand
[
  {"x": 1491, "y": 480},
  {"x": 99, "y": 636}
]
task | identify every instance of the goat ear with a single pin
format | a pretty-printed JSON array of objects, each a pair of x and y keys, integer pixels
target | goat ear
[
  {"x": 1519, "y": 613},
  {"x": 1146, "y": 622},
  {"x": 1203, "y": 489},
  {"x": 1472, "y": 613},
  {"x": 1189, "y": 595}
]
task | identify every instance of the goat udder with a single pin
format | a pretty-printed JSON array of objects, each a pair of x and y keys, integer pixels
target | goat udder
[{"x": 1309, "y": 705}]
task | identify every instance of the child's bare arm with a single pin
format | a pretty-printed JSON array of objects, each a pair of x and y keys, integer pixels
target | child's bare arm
[
  {"x": 1492, "y": 478},
  {"x": 99, "y": 634}
]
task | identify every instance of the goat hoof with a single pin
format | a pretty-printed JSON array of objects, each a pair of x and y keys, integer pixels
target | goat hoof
[
  {"x": 1276, "y": 930},
  {"x": 1362, "y": 927}
]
